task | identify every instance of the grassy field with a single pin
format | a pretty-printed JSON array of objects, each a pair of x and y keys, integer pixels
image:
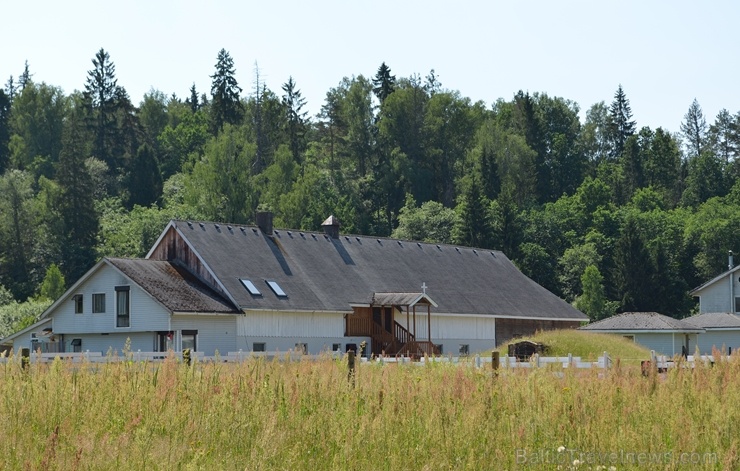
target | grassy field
[
  {"x": 588, "y": 345},
  {"x": 306, "y": 415}
]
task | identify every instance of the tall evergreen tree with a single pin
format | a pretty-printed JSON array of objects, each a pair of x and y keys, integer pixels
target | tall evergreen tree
[
  {"x": 193, "y": 100},
  {"x": 75, "y": 205},
  {"x": 724, "y": 136},
  {"x": 634, "y": 272},
  {"x": 384, "y": 83},
  {"x": 694, "y": 130},
  {"x": 225, "y": 104},
  {"x": 4, "y": 130},
  {"x": 25, "y": 78},
  {"x": 295, "y": 119},
  {"x": 145, "y": 179},
  {"x": 620, "y": 124},
  {"x": 11, "y": 88},
  {"x": 474, "y": 226},
  {"x": 100, "y": 98}
]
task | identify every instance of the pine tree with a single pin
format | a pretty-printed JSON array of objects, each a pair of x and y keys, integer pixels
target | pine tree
[
  {"x": 474, "y": 226},
  {"x": 634, "y": 271},
  {"x": 620, "y": 124},
  {"x": 295, "y": 119},
  {"x": 384, "y": 82},
  {"x": 225, "y": 105},
  {"x": 694, "y": 129}
]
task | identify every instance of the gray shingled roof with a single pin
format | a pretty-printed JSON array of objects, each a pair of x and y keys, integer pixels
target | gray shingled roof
[
  {"x": 644, "y": 321},
  {"x": 715, "y": 320},
  {"x": 173, "y": 286},
  {"x": 324, "y": 274}
]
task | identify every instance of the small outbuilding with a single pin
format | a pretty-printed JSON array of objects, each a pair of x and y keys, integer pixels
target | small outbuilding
[
  {"x": 665, "y": 335},
  {"x": 721, "y": 331}
]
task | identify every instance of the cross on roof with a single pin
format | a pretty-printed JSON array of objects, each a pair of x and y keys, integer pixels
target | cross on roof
[{"x": 423, "y": 287}]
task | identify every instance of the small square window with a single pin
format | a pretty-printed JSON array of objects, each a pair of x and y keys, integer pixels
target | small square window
[
  {"x": 98, "y": 303},
  {"x": 76, "y": 345},
  {"x": 301, "y": 348},
  {"x": 259, "y": 347},
  {"x": 77, "y": 299},
  {"x": 464, "y": 350},
  {"x": 336, "y": 347}
]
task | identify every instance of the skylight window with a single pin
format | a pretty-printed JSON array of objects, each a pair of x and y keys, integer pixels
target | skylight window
[
  {"x": 277, "y": 289},
  {"x": 250, "y": 287}
]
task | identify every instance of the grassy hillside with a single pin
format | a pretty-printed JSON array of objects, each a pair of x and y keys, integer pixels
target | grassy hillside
[{"x": 588, "y": 345}]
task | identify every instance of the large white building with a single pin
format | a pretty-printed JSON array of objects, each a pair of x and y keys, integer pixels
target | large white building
[{"x": 221, "y": 288}]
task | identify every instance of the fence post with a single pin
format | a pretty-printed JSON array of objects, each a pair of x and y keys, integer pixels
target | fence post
[
  {"x": 25, "y": 358},
  {"x": 186, "y": 356},
  {"x": 607, "y": 361},
  {"x": 495, "y": 360},
  {"x": 351, "y": 366},
  {"x": 570, "y": 360},
  {"x": 537, "y": 360}
]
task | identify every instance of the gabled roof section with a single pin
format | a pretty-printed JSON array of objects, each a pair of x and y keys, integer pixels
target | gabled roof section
[
  {"x": 721, "y": 276},
  {"x": 715, "y": 320},
  {"x": 35, "y": 326},
  {"x": 172, "y": 286},
  {"x": 321, "y": 273},
  {"x": 73, "y": 288},
  {"x": 401, "y": 299},
  {"x": 641, "y": 321}
]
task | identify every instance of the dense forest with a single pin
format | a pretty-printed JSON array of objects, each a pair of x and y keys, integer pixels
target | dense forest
[{"x": 610, "y": 216}]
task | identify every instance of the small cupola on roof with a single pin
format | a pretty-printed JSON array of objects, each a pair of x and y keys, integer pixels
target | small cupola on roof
[
  {"x": 331, "y": 227},
  {"x": 264, "y": 221}
]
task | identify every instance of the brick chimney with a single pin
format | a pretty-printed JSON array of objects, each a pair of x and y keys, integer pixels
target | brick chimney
[
  {"x": 264, "y": 221},
  {"x": 331, "y": 227}
]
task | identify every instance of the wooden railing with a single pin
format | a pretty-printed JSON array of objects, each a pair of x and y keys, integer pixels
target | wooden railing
[
  {"x": 358, "y": 326},
  {"x": 418, "y": 349},
  {"x": 402, "y": 333}
]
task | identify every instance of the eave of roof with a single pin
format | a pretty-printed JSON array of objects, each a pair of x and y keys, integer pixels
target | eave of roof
[{"x": 717, "y": 278}]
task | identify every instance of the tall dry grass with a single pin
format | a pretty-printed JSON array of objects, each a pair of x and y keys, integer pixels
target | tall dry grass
[{"x": 305, "y": 415}]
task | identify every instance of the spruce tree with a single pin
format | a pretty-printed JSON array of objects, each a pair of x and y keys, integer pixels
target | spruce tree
[
  {"x": 75, "y": 204},
  {"x": 4, "y": 131},
  {"x": 295, "y": 118},
  {"x": 225, "y": 104},
  {"x": 694, "y": 130},
  {"x": 193, "y": 100},
  {"x": 620, "y": 123},
  {"x": 384, "y": 83},
  {"x": 100, "y": 100}
]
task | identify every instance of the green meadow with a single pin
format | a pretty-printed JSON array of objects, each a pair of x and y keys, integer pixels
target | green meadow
[{"x": 260, "y": 415}]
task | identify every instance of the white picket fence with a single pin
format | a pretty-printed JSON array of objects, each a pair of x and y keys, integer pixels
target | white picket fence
[
  {"x": 478, "y": 361},
  {"x": 664, "y": 362}
]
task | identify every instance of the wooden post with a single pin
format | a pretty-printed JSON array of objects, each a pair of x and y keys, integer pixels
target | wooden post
[
  {"x": 429, "y": 324},
  {"x": 351, "y": 366},
  {"x": 495, "y": 360},
  {"x": 25, "y": 358}
]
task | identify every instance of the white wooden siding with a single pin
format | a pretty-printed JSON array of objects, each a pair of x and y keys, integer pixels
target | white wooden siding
[
  {"x": 666, "y": 344},
  {"x": 451, "y": 327},
  {"x": 722, "y": 340},
  {"x": 114, "y": 342},
  {"x": 290, "y": 324},
  {"x": 145, "y": 313},
  {"x": 716, "y": 297},
  {"x": 215, "y": 333}
]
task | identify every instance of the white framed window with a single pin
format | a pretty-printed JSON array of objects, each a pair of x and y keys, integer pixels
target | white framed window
[
  {"x": 123, "y": 306},
  {"x": 188, "y": 340},
  {"x": 77, "y": 300},
  {"x": 464, "y": 350},
  {"x": 98, "y": 303},
  {"x": 259, "y": 347},
  {"x": 301, "y": 348}
]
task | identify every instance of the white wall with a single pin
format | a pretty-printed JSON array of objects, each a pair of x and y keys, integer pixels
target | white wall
[
  {"x": 716, "y": 297},
  {"x": 666, "y": 344},
  {"x": 290, "y": 324},
  {"x": 451, "y": 327},
  {"x": 145, "y": 313},
  {"x": 722, "y": 340},
  {"x": 215, "y": 333}
]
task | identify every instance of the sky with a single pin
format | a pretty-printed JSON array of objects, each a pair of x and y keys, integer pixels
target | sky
[{"x": 665, "y": 54}]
